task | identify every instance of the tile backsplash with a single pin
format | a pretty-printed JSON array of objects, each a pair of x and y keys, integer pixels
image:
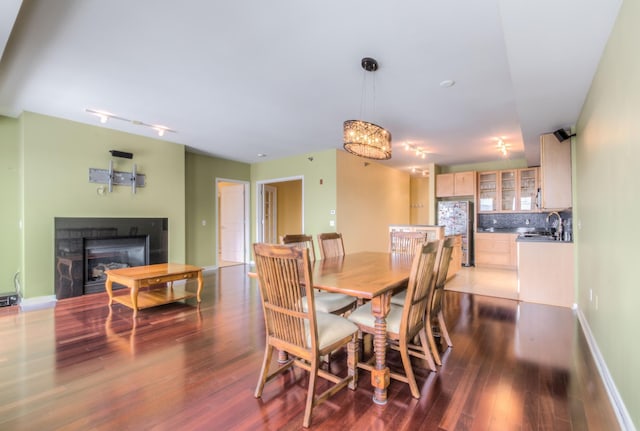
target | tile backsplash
[{"x": 514, "y": 220}]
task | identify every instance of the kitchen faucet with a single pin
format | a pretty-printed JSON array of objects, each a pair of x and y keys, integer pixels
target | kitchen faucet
[{"x": 559, "y": 229}]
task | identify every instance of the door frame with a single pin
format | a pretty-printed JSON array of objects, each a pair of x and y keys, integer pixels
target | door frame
[
  {"x": 260, "y": 206},
  {"x": 246, "y": 217}
]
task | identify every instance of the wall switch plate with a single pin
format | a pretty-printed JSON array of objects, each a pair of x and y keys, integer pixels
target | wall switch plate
[{"x": 332, "y": 223}]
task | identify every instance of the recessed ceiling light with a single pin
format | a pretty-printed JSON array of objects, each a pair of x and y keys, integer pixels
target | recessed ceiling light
[{"x": 447, "y": 83}]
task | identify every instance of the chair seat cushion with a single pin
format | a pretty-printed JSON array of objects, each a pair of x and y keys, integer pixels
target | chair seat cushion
[
  {"x": 398, "y": 299},
  {"x": 328, "y": 302},
  {"x": 362, "y": 316},
  {"x": 331, "y": 328}
]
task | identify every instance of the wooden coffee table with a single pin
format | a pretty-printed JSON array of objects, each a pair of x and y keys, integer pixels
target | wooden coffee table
[{"x": 155, "y": 278}]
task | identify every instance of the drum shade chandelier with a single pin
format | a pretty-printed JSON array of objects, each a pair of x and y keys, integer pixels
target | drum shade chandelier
[{"x": 363, "y": 138}]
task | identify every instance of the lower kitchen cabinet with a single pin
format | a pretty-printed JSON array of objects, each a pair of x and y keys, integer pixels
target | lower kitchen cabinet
[
  {"x": 496, "y": 250},
  {"x": 456, "y": 257},
  {"x": 545, "y": 272}
]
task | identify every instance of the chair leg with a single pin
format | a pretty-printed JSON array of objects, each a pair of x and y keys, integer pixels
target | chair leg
[
  {"x": 408, "y": 370},
  {"x": 427, "y": 354},
  {"x": 443, "y": 329},
  {"x": 268, "y": 352},
  {"x": 311, "y": 393},
  {"x": 432, "y": 341},
  {"x": 353, "y": 357}
]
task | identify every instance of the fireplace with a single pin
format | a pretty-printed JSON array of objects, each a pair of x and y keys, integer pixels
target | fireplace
[
  {"x": 86, "y": 247},
  {"x": 102, "y": 254}
]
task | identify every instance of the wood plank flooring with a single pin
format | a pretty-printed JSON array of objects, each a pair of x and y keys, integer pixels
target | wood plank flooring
[{"x": 82, "y": 365}]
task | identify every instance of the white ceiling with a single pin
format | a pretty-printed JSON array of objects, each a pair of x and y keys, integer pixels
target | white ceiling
[{"x": 238, "y": 78}]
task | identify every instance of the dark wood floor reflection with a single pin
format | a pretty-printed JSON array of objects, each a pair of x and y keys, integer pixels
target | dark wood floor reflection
[{"x": 83, "y": 366}]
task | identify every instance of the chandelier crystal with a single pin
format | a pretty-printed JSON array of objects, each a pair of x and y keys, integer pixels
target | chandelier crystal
[
  {"x": 363, "y": 138},
  {"x": 366, "y": 139}
]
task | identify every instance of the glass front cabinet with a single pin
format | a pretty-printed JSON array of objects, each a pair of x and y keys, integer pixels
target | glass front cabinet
[
  {"x": 511, "y": 190},
  {"x": 488, "y": 191}
]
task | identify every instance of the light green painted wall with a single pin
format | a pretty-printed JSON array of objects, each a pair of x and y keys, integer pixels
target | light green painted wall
[
  {"x": 57, "y": 157},
  {"x": 319, "y": 199},
  {"x": 10, "y": 201},
  {"x": 202, "y": 204},
  {"x": 607, "y": 206},
  {"x": 494, "y": 165}
]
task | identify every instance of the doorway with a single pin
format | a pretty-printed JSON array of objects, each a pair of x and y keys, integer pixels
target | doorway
[
  {"x": 279, "y": 208},
  {"x": 233, "y": 227}
]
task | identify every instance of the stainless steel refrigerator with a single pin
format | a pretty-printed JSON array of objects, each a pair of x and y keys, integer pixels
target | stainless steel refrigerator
[{"x": 457, "y": 219}]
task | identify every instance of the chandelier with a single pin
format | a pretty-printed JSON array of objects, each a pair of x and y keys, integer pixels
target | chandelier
[{"x": 363, "y": 138}]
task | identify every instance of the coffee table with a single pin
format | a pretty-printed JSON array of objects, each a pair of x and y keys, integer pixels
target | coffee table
[{"x": 155, "y": 278}]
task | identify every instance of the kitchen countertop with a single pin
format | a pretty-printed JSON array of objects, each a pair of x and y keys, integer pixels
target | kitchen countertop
[{"x": 525, "y": 234}]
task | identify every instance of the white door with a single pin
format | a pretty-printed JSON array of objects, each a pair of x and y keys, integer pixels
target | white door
[
  {"x": 269, "y": 213},
  {"x": 232, "y": 227}
]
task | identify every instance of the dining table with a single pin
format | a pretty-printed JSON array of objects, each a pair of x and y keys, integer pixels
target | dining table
[{"x": 372, "y": 276}]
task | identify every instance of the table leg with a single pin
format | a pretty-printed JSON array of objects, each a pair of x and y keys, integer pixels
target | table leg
[
  {"x": 108, "y": 288},
  {"x": 199, "y": 284},
  {"x": 134, "y": 299},
  {"x": 380, "y": 375}
]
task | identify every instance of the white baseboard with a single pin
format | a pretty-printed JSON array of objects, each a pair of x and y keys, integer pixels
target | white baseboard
[
  {"x": 38, "y": 303},
  {"x": 614, "y": 396}
]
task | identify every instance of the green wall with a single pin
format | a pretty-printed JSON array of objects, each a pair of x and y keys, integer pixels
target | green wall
[
  {"x": 202, "y": 204},
  {"x": 57, "y": 155},
  {"x": 494, "y": 165},
  {"x": 606, "y": 207},
  {"x": 10, "y": 202},
  {"x": 319, "y": 199}
]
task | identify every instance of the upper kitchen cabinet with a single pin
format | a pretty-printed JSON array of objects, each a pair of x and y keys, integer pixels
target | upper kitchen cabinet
[
  {"x": 555, "y": 173},
  {"x": 511, "y": 190},
  {"x": 455, "y": 184}
]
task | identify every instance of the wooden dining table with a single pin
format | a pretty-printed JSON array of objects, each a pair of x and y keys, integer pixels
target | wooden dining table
[{"x": 372, "y": 276}]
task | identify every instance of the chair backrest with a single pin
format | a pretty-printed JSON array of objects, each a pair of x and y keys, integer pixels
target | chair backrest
[
  {"x": 441, "y": 273},
  {"x": 419, "y": 288},
  {"x": 290, "y": 326},
  {"x": 300, "y": 240},
  {"x": 406, "y": 242},
  {"x": 331, "y": 244}
]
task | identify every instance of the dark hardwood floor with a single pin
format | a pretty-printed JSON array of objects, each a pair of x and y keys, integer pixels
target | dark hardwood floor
[{"x": 82, "y": 366}]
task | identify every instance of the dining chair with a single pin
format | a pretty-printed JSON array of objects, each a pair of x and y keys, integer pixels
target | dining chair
[
  {"x": 303, "y": 332},
  {"x": 406, "y": 242},
  {"x": 328, "y": 302},
  {"x": 331, "y": 244},
  {"x": 435, "y": 316},
  {"x": 300, "y": 240},
  {"x": 406, "y": 322}
]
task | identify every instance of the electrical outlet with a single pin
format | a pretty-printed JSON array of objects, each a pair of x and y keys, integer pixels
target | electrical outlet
[{"x": 332, "y": 223}]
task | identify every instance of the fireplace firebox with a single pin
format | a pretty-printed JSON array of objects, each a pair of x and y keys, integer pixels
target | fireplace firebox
[{"x": 102, "y": 254}]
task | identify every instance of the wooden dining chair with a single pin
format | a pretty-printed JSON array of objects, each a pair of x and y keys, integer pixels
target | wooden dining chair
[
  {"x": 435, "y": 316},
  {"x": 300, "y": 240},
  {"x": 406, "y": 242},
  {"x": 328, "y": 302},
  {"x": 406, "y": 322},
  {"x": 331, "y": 244},
  {"x": 303, "y": 332}
]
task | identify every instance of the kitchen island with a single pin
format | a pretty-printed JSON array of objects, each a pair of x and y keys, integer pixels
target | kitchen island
[{"x": 545, "y": 271}]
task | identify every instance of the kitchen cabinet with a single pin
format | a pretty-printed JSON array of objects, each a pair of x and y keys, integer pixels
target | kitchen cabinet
[
  {"x": 456, "y": 257},
  {"x": 555, "y": 173},
  {"x": 497, "y": 250},
  {"x": 488, "y": 191},
  {"x": 545, "y": 272},
  {"x": 510, "y": 190},
  {"x": 456, "y": 184}
]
